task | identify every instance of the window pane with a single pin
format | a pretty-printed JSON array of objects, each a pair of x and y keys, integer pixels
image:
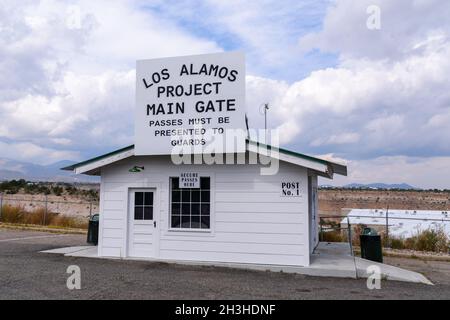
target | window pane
[
  {"x": 186, "y": 196},
  {"x": 195, "y": 196},
  {"x": 148, "y": 201},
  {"x": 190, "y": 208},
  {"x": 205, "y": 209},
  {"x": 175, "y": 183},
  {"x": 176, "y": 196},
  {"x": 186, "y": 209},
  {"x": 204, "y": 183},
  {"x": 176, "y": 208},
  {"x": 205, "y": 222},
  {"x": 195, "y": 222},
  {"x": 185, "y": 221},
  {"x": 205, "y": 196},
  {"x": 195, "y": 208},
  {"x": 176, "y": 221},
  {"x": 138, "y": 198},
  {"x": 138, "y": 213},
  {"x": 148, "y": 213}
]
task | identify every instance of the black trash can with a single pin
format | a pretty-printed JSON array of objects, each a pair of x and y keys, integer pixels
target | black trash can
[
  {"x": 371, "y": 245},
  {"x": 92, "y": 235}
]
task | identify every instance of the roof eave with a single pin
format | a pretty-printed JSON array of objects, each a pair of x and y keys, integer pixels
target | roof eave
[
  {"x": 323, "y": 167},
  {"x": 328, "y": 172},
  {"x": 92, "y": 166},
  {"x": 75, "y": 167}
]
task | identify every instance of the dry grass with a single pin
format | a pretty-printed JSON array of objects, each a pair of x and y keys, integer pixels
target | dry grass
[
  {"x": 332, "y": 236},
  {"x": 18, "y": 215},
  {"x": 430, "y": 240},
  {"x": 341, "y": 235},
  {"x": 427, "y": 241}
]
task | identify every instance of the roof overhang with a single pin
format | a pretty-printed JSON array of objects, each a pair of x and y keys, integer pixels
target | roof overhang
[
  {"x": 320, "y": 166},
  {"x": 92, "y": 166}
]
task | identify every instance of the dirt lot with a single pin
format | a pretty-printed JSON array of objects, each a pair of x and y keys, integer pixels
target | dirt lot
[
  {"x": 332, "y": 202},
  {"x": 27, "y": 274}
]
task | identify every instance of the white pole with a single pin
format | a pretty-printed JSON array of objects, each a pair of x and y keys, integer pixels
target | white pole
[{"x": 266, "y": 107}]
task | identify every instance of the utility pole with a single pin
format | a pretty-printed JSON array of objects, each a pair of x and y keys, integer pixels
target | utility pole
[
  {"x": 266, "y": 107},
  {"x": 46, "y": 208},
  {"x": 1, "y": 205},
  {"x": 246, "y": 125},
  {"x": 387, "y": 226}
]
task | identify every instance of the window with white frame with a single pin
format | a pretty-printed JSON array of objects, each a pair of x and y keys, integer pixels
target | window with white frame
[{"x": 190, "y": 207}]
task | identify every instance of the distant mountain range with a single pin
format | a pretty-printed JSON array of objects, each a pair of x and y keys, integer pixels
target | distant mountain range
[
  {"x": 402, "y": 186},
  {"x": 12, "y": 169}
]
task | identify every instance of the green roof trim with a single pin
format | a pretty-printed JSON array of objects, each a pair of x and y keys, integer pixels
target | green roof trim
[
  {"x": 255, "y": 143},
  {"x": 289, "y": 152},
  {"x": 335, "y": 167},
  {"x": 76, "y": 165}
]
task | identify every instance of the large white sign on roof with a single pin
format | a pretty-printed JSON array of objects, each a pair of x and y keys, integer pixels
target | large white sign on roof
[{"x": 190, "y": 104}]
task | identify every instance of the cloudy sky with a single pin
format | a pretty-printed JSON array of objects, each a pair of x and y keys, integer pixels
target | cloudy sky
[{"x": 379, "y": 99}]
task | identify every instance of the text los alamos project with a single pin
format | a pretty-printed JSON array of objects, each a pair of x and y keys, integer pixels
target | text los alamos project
[{"x": 201, "y": 106}]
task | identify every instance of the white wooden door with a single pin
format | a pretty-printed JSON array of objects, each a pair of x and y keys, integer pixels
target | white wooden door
[{"x": 142, "y": 221}]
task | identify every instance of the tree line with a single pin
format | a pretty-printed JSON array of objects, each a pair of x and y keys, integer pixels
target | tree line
[{"x": 48, "y": 188}]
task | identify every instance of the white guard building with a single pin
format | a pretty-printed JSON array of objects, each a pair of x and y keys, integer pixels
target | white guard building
[{"x": 231, "y": 213}]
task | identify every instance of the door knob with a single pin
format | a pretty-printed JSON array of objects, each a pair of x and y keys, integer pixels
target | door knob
[{"x": 154, "y": 224}]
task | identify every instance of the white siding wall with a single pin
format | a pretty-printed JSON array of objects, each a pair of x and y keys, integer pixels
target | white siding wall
[{"x": 250, "y": 221}]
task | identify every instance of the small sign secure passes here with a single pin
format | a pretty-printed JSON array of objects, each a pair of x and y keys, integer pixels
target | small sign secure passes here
[{"x": 189, "y": 180}]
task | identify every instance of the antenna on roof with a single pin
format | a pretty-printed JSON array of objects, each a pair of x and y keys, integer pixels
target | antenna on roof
[
  {"x": 246, "y": 124},
  {"x": 263, "y": 110}
]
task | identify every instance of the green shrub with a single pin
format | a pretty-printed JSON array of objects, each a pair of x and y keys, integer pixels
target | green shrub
[
  {"x": 432, "y": 240},
  {"x": 397, "y": 243},
  {"x": 332, "y": 236}
]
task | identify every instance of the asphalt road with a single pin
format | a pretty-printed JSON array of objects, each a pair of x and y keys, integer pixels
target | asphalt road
[{"x": 27, "y": 274}]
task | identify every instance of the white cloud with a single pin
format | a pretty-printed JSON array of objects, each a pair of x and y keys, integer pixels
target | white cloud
[
  {"x": 26, "y": 151},
  {"x": 439, "y": 121},
  {"x": 386, "y": 102},
  {"x": 126, "y": 32},
  {"x": 341, "y": 138},
  {"x": 266, "y": 30},
  {"x": 84, "y": 107},
  {"x": 260, "y": 91},
  {"x": 372, "y": 103},
  {"x": 67, "y": 74},
  {"x": 404, "y": 26},
  {"x": 67, "y": 71},
  {"x": 387, "y": 106}
]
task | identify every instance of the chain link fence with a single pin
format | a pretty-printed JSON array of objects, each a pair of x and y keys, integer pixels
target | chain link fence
[
  {"x": 431, "y": 234},
  {"x": 45, "y": 207}
]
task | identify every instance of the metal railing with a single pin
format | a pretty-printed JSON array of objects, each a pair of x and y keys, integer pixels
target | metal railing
[{"x": 347, "y": 230}]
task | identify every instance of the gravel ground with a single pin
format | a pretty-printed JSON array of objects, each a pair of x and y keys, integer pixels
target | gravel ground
[{"x": 27, "y": 274}]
